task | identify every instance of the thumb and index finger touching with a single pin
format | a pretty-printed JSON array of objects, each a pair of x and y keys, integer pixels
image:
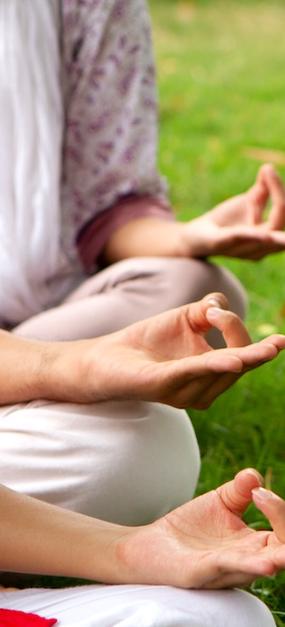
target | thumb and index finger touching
[
  {"x": 247, "y": 486},
  {"x": 212, "y": 311},
  {"x": 237, "y": 494},
  {"x": 273, "y": 507},
  {"x": 268, "y": 185}
]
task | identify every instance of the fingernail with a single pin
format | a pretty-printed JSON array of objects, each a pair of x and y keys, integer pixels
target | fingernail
[
  {"x": 265, "y": 495},
  {"x": 214, "y": 302},
  {"x": 254, "y": 473},
  {"x": 214, "y": 312}
]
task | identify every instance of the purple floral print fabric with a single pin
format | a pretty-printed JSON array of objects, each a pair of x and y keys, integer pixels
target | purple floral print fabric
[{"x": 109, "y": 148}]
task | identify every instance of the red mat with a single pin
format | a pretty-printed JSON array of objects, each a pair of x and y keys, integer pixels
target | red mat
[{"x": 14, "y": 618}]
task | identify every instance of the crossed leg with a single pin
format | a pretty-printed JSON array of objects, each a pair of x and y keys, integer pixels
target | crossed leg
[
  {"x": 127, "y": 462},
  {"x": 147, "y": 606},
  {"x": 131, "y": 290}
]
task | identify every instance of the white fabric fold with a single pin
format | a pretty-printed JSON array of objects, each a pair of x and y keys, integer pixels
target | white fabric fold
[{"x": 31, "y": 122}]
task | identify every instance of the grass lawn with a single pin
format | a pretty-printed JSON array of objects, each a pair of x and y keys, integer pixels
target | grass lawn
[{"x": 221, "y": 81}]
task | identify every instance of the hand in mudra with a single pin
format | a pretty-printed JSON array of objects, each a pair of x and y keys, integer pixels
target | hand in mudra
[
  {"x": 204, "y": 543},
  {"x": 237, "y": 228},
  {"x": 167, "y": 358}
]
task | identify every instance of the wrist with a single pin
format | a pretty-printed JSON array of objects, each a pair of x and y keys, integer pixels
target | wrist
[
  {"x": 96, "y": 550},
  {"x": 194, "y": 241},
  {"x": 53, "y": 376},
  {"x": 64, "y": 371},
  {"x": 76, "y": 371},
  {"x": 25, "y": 369}
]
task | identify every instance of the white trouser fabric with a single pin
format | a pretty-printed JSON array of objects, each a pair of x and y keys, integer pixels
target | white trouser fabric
[
  {"x": 124, "y": 462},
  {"x": 141, "y": 606},
  {"x": 131, "y": 290}
]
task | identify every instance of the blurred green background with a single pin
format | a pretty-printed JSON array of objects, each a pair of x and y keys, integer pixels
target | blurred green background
[{"x": 221, "y": 86}]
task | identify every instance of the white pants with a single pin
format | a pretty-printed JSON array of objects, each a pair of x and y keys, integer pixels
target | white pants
[
  {"x": 141, "y": 606},
  {"x": 125, "y": 462}
]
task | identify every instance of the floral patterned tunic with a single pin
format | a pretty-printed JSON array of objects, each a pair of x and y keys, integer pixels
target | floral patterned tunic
[{"x": 110, "y": 141}]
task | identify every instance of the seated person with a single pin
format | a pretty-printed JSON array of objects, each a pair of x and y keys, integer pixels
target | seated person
[
  {"x": 163, "y": 574},
  {"x": 201, "y": 544}
]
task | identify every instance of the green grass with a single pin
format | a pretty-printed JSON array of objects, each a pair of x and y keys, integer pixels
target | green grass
[{"x": 222, "y": 90}]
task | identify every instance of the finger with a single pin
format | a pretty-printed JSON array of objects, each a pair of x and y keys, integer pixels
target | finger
[
  {"x": 273, "y": 507},
  {"x": 256, "y": 251},
  {"x": 196, "y": 312},
  {"x": 265, "y": 567},
  {"x": 260, "y": 246},
  {"x": 234, "y": 567},
  {"x": 237, "y": 494},
  {"x": 222, "y": 383},
  {"x": 238, "y": 579},
  {"x": 193, "y": 394},
  {"x": 180, "y": 372},
  {"x": 254, "y": 245},
  {"x": 277, "y": 340},
  {"x": 247, "y": 242},
  {"x": 246, "y": 251},
  {"x": 276, "y": 219},
  {"x": 250, "y": 356},
  {"x": 257, "y": 197},
  {"x": 277, "y": 238},
  {"x": 230, "y": 325},
  {"x": 258, "y": 256},
  {"x": 231, "y": 239},
  {"x": 180, "y": 375},
  {"x": 217, "y": 387}
]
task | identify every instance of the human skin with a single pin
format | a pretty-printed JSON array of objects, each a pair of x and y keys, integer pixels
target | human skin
[
  {"x": 273, "y": 507},
  {"x": 165, "y": 359},
  {"x": 202, "y": 544},
  {"x": 235, "y": 228}
]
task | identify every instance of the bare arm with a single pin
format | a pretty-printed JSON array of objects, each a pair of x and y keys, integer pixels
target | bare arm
[
  {"x": 235, "y": 228},
  {"x": 202, "y": 544},
  {"x": 27, "y": 369},
  {"x": 146, "y": 237},
  {"x": 165, "y": 359},
  {"x": 39, "y": 538}
]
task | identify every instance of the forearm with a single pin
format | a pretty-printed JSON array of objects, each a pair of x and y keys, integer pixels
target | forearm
[
  {"x": 39, "y": 538},
  {"x": 146, "y": 237},
  {"x": 31, "y": 369}
]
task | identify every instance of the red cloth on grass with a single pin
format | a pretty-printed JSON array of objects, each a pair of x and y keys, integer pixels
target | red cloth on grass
[{"x": 15, "y": 618}]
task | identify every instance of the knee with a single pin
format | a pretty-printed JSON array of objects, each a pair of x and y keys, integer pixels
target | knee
[
  {"x": 219, "y": 608},
  {"x": 181, "y": 281},
  {"x": 166, "y": 606},
  {"x": 156, "y": 613},
  {"x": 242, "y": 608},
  {"x": 125, "y": 462},
  {"x": 155, "y": 453},
  {"x": 235, "y": 608},
  {"x": 157, "y": 457}
]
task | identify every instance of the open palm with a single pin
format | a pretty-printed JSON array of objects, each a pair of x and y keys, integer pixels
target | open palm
[
  {"x": 168, "y": 359},
  {"x": 205, "y": 543},
  {"x": 238, "y": 227}
]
